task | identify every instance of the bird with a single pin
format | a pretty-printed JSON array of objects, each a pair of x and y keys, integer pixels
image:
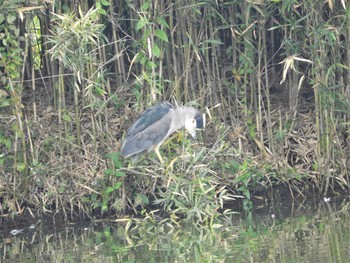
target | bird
[{"x": 156, "y": 124}]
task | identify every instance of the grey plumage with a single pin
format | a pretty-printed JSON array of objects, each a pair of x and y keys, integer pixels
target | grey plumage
[{"x": 156, "y": 124}]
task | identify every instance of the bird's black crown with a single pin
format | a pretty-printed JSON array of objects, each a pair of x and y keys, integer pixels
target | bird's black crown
[{"x": 200, "y": 119}]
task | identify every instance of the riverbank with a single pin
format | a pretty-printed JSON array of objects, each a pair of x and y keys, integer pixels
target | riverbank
[{"x": 74, "y": 78}]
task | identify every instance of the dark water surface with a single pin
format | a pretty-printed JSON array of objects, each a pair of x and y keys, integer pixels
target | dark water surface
[{"x": 308, "y": 231}]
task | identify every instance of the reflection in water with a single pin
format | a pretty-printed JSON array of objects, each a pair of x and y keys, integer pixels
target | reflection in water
[{"x": 303, "y": 233}]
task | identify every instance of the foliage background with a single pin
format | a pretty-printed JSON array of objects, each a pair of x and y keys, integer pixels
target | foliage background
[{"x": 272, "y": 76}]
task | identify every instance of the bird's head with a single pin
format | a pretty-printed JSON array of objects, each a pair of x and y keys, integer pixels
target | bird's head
[
  {"x": 191, "y": 126},
  {"x": 195, "y": 120}
]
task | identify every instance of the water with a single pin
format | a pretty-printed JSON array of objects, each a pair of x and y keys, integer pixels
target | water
[{"x": 309, "y": 231}]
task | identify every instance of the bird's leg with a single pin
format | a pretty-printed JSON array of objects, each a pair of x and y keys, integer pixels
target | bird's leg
[
  {"x": 171, "y": 164},
  {"x": 158, "y": 154}
]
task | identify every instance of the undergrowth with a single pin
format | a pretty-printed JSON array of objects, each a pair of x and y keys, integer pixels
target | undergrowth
[{"x": 272, "y": 80}]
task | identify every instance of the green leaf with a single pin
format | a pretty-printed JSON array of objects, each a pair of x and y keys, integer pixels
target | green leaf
[
  {"x": 96, "y": 205},
  {"x": 65, "y": 8},
  {"x": 141, "y": 23},
  {"x": 117, "y": 185},
  {"x": 162, "y": 21},
  {"x": 156, "y": 51},
  {"x": 16, "y": 31},
  {"x": 145, "y": 6},
  {"x": 93, "y": 197},
  {"x": 4, "y": 103},
  {"x": 100, "y": 91},
  {"x": 61, "y": 189},
  {"x": 21, "y": 166},
  {"x": 2, "y": 18},
  {"x": 119, "y": 174},
  {"x": 10, "y": 19},
  {"x": 115, "y": 159},
  {"x": 102, "y": 12},
  {"x": 66, "y": 117},
  {"x": 244, "y": 165},
  {"x": 144, "y": 199},
  {"x": 109, "y": 189},
  {"x": 161, "y": 35},
  {"x": 6, "y": 142},
  {"x": 107, "y": 232},
  {"x": 108, "y": 172},
  {"x": 104, "y": 2}
]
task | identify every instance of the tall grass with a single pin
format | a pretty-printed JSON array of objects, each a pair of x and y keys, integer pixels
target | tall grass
[{"x": 273, "y": 76}]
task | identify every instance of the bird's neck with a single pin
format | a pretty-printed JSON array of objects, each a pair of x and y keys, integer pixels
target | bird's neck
[{"x": 181, "y": 114}]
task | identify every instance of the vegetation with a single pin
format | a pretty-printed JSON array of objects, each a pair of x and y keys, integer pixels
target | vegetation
[
  {"x": 285, "y": 238},
  {"x": 272, "y": 76}
]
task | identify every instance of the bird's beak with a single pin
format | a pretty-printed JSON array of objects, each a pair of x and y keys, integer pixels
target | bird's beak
[{"x": 193, "y": 134}]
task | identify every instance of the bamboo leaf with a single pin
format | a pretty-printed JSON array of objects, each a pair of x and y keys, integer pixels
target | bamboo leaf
[
  {"x": 162, "y": 21},
  {"x": 117, "y": 185},
  {"x": 102, "y": 11},
  {"x": 156, "y": 51},
  {"x": 109, "y": 190},
  {"x": 145, "y": 6},
  {"x": 141, "y": 23},
  {"x": 105, "y": 3},
  {"x": 161, "y": 35}
]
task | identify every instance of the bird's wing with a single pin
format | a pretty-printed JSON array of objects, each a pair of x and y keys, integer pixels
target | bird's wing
[
  {"x": 148, "y": 138},
  {"x": 149, "y": 117}
]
